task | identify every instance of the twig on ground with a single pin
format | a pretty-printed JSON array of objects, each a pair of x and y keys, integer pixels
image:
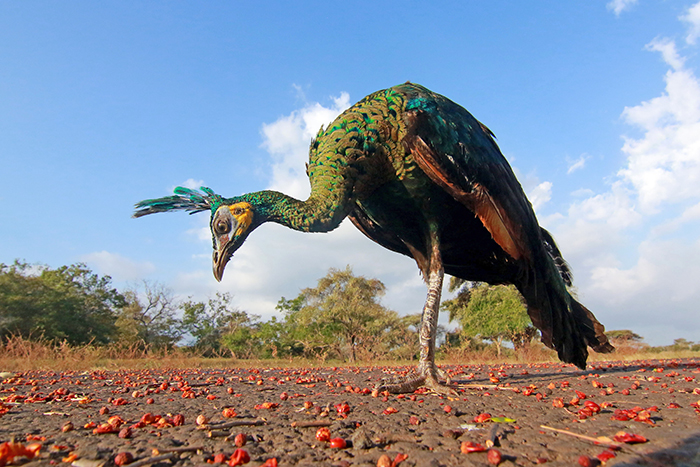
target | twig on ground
[
  {"x": 231, "y": 424},
  {"x": 604, "y": 440},
  {"x": 159, "y": 451},
  {"x": 311, "y": 423},
  {"x": 154, "y": 459}
]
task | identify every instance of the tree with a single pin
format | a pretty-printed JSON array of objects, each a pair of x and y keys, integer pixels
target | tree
[
  {"x": 403, "y": 341},
  {"x": 149, "y": 319},
  {"x": 69, "y": 303},
  {"x": 216, "y": 324},
  {"x": 286, "y": 338},
  {"x": 494, "y": 312},
  {"x": 681, "y": 344},
  {"x": 305, "y": 330},
  {"x": 341, "y": 316},
  {"x": 623, "y": 336}
]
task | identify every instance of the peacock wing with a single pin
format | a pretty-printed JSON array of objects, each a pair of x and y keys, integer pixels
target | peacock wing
[{"x": 460, "y": 155}]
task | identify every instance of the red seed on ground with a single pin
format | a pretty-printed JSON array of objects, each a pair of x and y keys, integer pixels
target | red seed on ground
[
  {"x": 323, "y": 434},
  {"x": 123, "y": 458},
  {"x": 629, "y": 438},
  {"x": 240, "y": 440},
  {"x": 494, "y": 456},
  {"x": 116, "y": 421},
  {"x": 201, "y": 419},
  {"x": 467, "y": 447},
  {"x": 338, "y": 443},
  {"x": 605, "y": 455},
  {"x": 239, "y": 457}
]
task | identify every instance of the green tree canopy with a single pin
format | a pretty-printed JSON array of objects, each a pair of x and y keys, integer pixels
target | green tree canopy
[
  {"x": 149, "y": 318},
  {"x": 341, "y": 317},
  {"x": 69, "y": 303},
  {"x": 494, "y": 312},
  {"x": 217, "y": 325},
  {"x": 623, "y": 335}
]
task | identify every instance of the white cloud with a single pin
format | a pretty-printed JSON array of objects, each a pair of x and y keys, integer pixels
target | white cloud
[
  {"x": 661, "y": 287},
  {"x": 189, "y": 183},
  {"x": 692, "y": 17},
  {"x": 193, "y": 184},
  {"x": 287, "y": 140},
  {"x": 668, "y": 50},
  {"x": 614, "y": 207},
  {"x": 582, "y": 192},
  {"x": 618, "y": 6},
  {"x": 664, "y": 164},
  {"x": 690, "y": 214},
  {"x": 540, "y": 194},
  {"x": 118, "y": 267},
  {"x": 276, "y": 261},
  {"x": 577, "y": 164}
]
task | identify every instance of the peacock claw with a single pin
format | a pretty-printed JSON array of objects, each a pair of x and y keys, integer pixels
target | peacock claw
[{"x": 426, "y": 378}]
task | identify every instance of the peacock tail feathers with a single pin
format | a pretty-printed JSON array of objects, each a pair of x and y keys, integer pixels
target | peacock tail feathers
[{"x": 185, "y": 199}]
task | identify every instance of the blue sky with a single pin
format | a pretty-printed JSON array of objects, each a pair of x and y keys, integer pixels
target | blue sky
[{"x": 595, "y": 104}]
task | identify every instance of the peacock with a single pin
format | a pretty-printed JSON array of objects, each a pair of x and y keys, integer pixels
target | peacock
[{"x": 419, "y": 175}]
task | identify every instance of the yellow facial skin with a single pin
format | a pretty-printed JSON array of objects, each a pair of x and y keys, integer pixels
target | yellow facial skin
[{"x": 243, "y": 213}]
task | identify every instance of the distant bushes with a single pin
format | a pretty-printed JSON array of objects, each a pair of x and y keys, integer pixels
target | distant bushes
[{"x": 72, "y": 313}]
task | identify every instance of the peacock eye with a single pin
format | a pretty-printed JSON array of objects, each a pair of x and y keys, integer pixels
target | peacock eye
[
  {"x": 222, "y": 227},
  {"x": 237, "y": 212}
]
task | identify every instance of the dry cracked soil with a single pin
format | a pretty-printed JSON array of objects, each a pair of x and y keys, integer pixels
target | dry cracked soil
[{"x": 614, "y": 413}]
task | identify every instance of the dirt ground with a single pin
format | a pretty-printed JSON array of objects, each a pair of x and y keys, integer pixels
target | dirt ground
[{"x": 521, "y": 408}]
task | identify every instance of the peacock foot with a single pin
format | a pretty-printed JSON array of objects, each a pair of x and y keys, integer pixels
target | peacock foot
[{"x": 427, "y": 377}]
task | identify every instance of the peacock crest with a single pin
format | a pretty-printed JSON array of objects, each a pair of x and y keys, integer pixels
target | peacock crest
[{"x": 185, "y": 199}]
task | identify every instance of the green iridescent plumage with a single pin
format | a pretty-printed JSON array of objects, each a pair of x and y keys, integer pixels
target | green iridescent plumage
[{"x": 419, "y": 175}]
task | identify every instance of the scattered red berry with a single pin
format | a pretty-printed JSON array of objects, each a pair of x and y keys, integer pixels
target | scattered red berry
[
  {"x": 123, "y": 458},
  {"x": 323, "y": 434},
  {"x": 338, "y": 443},
  {"x": 240, "y": 440},
  {"x": 494, "y": 456}
]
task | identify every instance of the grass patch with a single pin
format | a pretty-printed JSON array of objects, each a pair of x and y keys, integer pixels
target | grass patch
[{"x": 18, "y": 354}]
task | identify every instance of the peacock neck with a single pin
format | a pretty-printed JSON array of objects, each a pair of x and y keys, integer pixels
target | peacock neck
[{"x": 316, "y": 214}]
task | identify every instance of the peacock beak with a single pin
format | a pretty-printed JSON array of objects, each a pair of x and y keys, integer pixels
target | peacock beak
[
  {"x": 230, "y": 226},
  {"x": 219, "y": 261}
]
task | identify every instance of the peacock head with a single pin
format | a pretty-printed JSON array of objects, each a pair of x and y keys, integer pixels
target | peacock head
[
  {"x": 232, "y": 219},
  {"x": 230, "y": 225}
]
